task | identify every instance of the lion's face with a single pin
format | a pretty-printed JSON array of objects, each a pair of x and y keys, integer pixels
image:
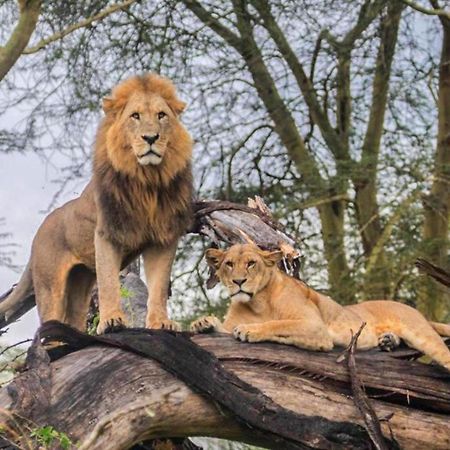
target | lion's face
[
  {"x": 244, "y": 269},
  {"x": 147, "y": 122},
  {"x": 142, "y": 128}
]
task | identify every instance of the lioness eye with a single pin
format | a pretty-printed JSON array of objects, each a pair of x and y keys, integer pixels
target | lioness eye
[
  {"x": 251, "y": 264},
  {"x": 161, "y": 115},
  {"x": 229, "y": 264},
  {"x": 136, "y": 115}
]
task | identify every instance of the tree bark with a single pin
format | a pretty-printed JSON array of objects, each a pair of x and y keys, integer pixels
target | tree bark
[
  {"x": 104, "y": 397},
  {"x": 433, "y": 300}
]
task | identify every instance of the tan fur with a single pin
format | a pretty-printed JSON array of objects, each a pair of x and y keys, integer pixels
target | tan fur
[
  {"x": 271, "y": 306},
  {"x": 138, "y": 201}
]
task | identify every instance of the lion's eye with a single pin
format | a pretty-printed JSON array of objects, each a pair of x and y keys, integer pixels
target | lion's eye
[
  {"x": 229, "y": 264},
  {"x": 251, "y": 264},
  {"x": 136, "y": 115},
  {"x": 161, "y": 115}
]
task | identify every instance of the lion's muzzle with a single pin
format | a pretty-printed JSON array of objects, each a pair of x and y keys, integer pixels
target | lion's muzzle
[
  {"x": 242, "y": 296},
  {"x": 150, "y": 157}
]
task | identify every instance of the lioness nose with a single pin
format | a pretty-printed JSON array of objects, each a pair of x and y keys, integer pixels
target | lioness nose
[
  {"x": 240, "y": 282},
  {"x": 150, "y": 139}
]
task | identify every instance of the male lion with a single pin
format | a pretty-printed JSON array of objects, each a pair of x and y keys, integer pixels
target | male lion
[
  {"x": 268, "y": 305},
  {"x": 138, "y": 201}
]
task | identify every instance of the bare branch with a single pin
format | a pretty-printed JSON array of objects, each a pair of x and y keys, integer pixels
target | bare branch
[
  {"x": 76, "y": 26},
  {"x": 209, "y": 20},
  {"x": 431, "y": 12}
]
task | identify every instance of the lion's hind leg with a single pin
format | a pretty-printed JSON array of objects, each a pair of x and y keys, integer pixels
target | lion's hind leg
[
  {"x": 346, "y": 325},
  {"x": 79, "y": 287},
  {"x": 50, "y": 287},
  {"x": 410, "y": 325},
  {"x": 310, "y": 335},
  {"x": 424, "y": 338}
]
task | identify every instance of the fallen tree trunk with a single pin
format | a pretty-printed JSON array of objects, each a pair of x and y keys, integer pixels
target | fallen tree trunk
[{"x": 105, "y": 397}]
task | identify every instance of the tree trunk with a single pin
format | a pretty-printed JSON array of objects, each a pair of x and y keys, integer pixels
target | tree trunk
[
  {"x": 433, "y": 299},
  {"x": 104, "y": 397},
  {"x": 339, "y": 276},
  {"x": 377, "y": 280}
]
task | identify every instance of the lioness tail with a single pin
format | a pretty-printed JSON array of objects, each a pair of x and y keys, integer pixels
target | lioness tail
[{"x": 14, "y": 300}]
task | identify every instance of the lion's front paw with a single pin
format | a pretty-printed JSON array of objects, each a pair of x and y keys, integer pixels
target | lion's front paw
[
  {"x": 247, "y": 333},
  {"x": 163, "y": 324},
  {"x": 116, "y": 323},
  {"x": 388, "y": 342},
  {"x": 206, "y": 324}
]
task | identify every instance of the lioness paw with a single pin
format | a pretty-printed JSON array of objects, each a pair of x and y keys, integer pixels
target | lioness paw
[
  {"x": 388, "y": 342},
  {"x": 117, "y": 323},
  {"x": 164, "y": 324},
  {"x": 206, "y": 324},
  {"x": 247, "y": 333}
]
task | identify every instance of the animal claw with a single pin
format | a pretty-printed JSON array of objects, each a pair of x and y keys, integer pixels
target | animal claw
[
  {"x": 169, "y": 325},
  {"x": 112, "y": 326},
  {"x": 207, "y": 324}
]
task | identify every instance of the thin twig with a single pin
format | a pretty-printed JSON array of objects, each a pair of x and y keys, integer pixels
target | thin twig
[
  {"x": 371, "y": 422},
  {"x": 14, "y": 345}
]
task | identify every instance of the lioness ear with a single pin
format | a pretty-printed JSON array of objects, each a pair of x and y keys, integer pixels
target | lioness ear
[
  {"x": 107, "y": 104},
  {"x": 177, "y": 106},
  {"x": 272, "y": 258},
  {"x": 214, "y": 257}
]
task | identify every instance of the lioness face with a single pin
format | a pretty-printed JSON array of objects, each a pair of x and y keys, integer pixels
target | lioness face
[
  {"x": 148, "y": 120},
  {"x": 244, "y": 269}
]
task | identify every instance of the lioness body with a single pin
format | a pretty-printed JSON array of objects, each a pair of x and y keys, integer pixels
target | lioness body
[
  {"x": 138, "y": 201},
  {"x": 268, "y": 305}
]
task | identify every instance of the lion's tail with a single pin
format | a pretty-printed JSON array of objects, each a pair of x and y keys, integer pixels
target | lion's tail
[
  {"x": 14, "y": 300},
  {"x": 442, "y": 329}
]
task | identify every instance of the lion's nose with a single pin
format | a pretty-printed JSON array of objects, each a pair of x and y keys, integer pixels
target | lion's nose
[
  {"x": 150, "y": 139},
  {"x": 240, "y": 282}
]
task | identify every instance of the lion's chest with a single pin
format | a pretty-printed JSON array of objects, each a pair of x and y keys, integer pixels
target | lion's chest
[{"x": 136, "y": 218}]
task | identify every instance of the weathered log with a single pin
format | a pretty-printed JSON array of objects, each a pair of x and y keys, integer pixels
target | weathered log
[
  {"x": 105, "y": 397},
  {"x": 221, "y": 222}
]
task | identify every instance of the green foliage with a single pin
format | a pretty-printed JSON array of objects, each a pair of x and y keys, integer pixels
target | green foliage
[
  {"x": 47, "y": 436},
  {"x": 92, "y": 329},
  {"x": 125, "y": 293}
]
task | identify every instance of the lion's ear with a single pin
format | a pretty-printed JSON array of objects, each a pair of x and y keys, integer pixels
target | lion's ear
[
  {"x": 214, "y": 257},
  {"x": 107, "y": 104},
  {"x": 177, "y": 106},
  {"x": 272, "y": 258}
]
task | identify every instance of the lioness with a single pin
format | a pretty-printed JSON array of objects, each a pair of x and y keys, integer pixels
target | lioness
[
  {"x": 268, "y": 305},
  {"x": 138, "y": 201}
]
